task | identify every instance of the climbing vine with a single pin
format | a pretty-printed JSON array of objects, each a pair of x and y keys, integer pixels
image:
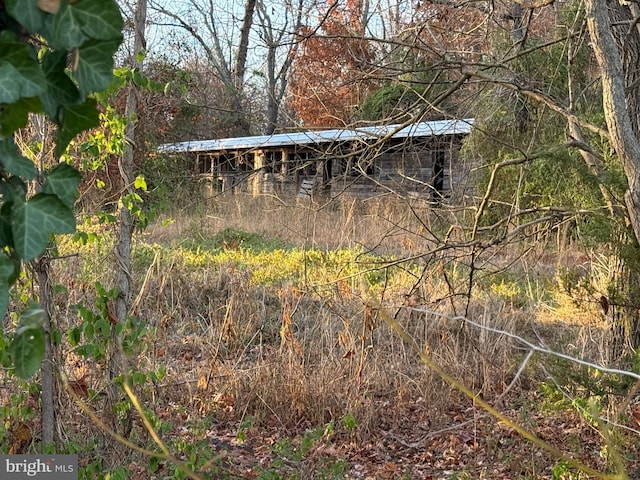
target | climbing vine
[{"x": 54, "y": 55}]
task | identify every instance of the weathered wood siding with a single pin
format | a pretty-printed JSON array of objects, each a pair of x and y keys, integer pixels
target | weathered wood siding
[{"x": 407, "y": 167}]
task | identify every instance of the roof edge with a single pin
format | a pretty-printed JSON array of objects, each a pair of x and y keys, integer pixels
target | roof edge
[{"x": 419, "y": 129}]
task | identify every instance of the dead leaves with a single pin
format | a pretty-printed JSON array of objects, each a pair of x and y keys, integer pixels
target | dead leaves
[
  {"x": 20, "y": 438},
  {"x": 111, "y": 313},
  {"x": 79, "y": 387}
]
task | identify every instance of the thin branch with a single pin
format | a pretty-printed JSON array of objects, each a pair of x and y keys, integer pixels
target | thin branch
[
  {"x": 540, "y": 97},
  {"x": 523, "y": 365},
  {"x": 95, "y": 418},
  {"x": 476, "y": 399},
  {"x": 528, "y": 344},
  {"x": 506, "y": 163}
]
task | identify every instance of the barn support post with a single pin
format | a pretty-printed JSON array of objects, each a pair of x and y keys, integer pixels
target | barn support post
[
  {"x": 257, "y": 176},
  {"x": 285, "y": 159}
]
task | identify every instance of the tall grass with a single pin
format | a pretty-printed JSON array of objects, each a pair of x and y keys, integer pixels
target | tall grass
[{"x": 260, "y": 309}]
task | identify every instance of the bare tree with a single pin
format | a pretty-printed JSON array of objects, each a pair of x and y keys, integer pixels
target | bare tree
[
  {"x": 278, "y": 34},
  {"x": 249, "y": 49},
  {"x": 223, "y": 41}
]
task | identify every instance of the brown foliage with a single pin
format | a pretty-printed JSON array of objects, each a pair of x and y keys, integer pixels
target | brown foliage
[{"x": 332, "y": 68}]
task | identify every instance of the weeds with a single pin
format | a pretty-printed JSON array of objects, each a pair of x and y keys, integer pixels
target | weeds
[{"x": 257, "y": 348}]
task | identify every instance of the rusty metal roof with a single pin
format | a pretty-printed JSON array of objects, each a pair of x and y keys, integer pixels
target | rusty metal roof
[{"x": 421, "y": 129}]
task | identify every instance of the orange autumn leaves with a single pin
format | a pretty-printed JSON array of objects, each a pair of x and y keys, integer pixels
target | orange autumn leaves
[
  {"x": 339, "y": 64},
  {"x": 332, "y": 68}
]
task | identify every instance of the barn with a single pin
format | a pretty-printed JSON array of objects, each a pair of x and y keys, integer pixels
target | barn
[{"x": 417, "y": 158}]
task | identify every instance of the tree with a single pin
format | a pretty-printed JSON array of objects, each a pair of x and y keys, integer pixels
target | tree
[
  {"x": 243, "y": 50},
  {"x": 616, "y": 43},
  {"x": 333, "y": 68},
  {"x": 615, "y": 37},
  {"x": 276, "y": 39},
  {"x": 90, "y": 33},
  {"x": 128, "y": 199},
  {"x": 224, "y": 43}
]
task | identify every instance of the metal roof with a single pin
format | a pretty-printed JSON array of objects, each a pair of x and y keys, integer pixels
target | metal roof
[{"x": 421, "y": 129}]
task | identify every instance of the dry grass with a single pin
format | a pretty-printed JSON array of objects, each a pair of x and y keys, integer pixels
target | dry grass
[{"x": 302, "y": 351}]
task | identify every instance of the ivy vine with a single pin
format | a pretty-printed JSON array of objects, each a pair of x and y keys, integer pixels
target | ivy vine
[{"x": 54, "y": 56}]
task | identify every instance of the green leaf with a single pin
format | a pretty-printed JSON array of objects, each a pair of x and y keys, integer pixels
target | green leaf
[
  {"x": 20, "y": 74},
  {"x": 95, "y": 65},
  {"x": 99, "y": 20},
  {"x": 7, "y": 277},
  {"x": 74, "y": 336},
  {"x": 32, "y": 316},
  {"x": 16, "y": 115},
  {"x": 35, "y": 220},
  {"x": 26, "y": 13},
  {"x": 11, "y": 188},
  {"x": 63, "y": 182},
  {"x": 140, "y": 183},
  {"x": 28, "y": 351},
  {"x": 6, "y": 236},
  {"x": 27, "y": 348},
  {"x": 15, "y": 163},
  {"x": 76, "y": 119},
  {"x": 61, "y": 91},
  {"x": 67, "y": 28}
]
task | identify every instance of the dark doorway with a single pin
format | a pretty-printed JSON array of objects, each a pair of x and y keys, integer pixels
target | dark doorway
[{"x": 437, "y": 174}]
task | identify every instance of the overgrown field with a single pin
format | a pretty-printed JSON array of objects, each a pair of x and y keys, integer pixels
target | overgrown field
[{"x": 261, "y": 344}]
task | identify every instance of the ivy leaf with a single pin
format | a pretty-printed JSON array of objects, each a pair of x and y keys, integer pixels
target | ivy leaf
[
  {"x": 34, "y": 220},
  {"x": 67, "y": 28},
  {"x": 61, "y": 91},
  {"x": 13, "y": 162},
  {"x": 7, "y": 277},
  {"x": 95, "y": 65},
  {"x": 76, "y": 119},
  {"x": 6, "y": 237},
  {"x": 11, "y": 188},
  {"x": 99, "y": 20},
  {"x": 26, "y": 13},
  {"x": 16, "y": 115},
  {"x": 140, "y": 183},
  {"x": 20, "y": 74},
  {"x": 28, "y": 343},
  {"x": 63, "y": 182}
]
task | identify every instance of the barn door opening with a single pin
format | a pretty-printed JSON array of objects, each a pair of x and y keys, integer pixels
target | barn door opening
[{"x": 437, "y": 174}]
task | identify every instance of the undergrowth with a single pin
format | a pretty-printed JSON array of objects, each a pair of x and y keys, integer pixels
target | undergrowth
[{"x": 264, "y": 339}]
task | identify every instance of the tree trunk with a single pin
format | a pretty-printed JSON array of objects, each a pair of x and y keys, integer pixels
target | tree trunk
[
  {"x": 620, "y": 105},
  {"x": 122, "y": 249},
  {"x": 42, "y": 268},
  {"x": 272, "y": 102},
  {"x": 616, "y": 43},
  {"x": 43, "y": 271},
  {"x": 243, "y": 46},
  {"x": 278, "y": 76}
]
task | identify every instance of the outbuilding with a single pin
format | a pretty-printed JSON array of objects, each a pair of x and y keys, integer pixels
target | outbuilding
[{"x": 417, "y": 158}]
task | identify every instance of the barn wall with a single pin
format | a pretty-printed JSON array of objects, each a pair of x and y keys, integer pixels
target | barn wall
[{"x": 405, "y": 167}]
